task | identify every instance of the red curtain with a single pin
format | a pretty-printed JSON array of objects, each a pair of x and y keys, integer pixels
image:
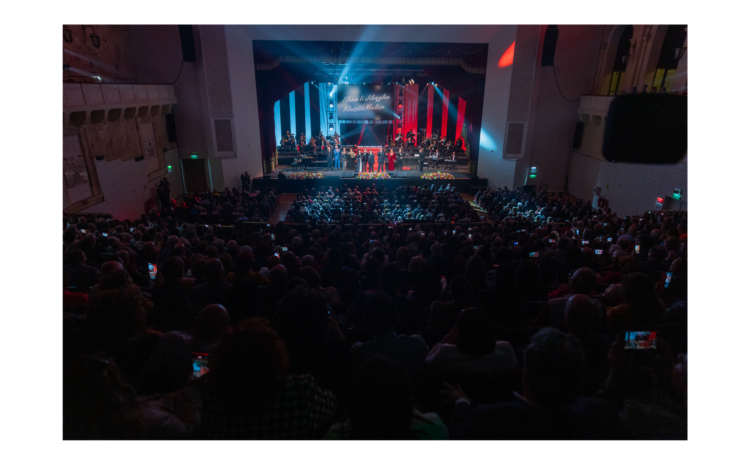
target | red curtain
[
  {"x": 460, "y": 117},
  {"x": 411, "y": 102}
]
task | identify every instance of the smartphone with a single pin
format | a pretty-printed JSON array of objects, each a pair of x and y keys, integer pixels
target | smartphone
[
  {"x": 104, "y": 234},
  {"x": 609, "y": 239},
  {"x": 268, "y": 225},
  {"x": 476, "y": 247},
  {"x": 469, "y": 236},
  {"x": 152, "y": 270},
  {"x": 131, "y": 229},
  {"x": 638, "y": 340},
  {"x": 275, "y": 254},
  {"x": 578, "y": 232},
  {"x": 273, "y": 237},
  {"x": 83, "y": 231},
  {"x": 605, "y": 224},
  {"x": 284, "y": 249},
  {"x": 200, "y": 364},
  {"x": 668, "y": 280},
  {"x": 637, "y": 248},
  {"x": 584, "y": 242},
  {"x": 599, "y": 251},
  {"x": 515, "y": 243},
  {"x": 205, "y": 225},
  {"x": 551, "y": 241},
  {"x": 533, "y": 254},
  {"x": 454, "y": 231}
]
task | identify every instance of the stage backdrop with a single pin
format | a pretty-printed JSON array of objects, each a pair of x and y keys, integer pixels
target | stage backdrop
[
  {"x": 365, "y": 102},
  {"x": 365, "y": 135}
]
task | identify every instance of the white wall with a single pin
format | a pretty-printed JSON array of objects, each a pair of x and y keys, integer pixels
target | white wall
[
  {"x": 553, "y": 120},
  {"x": 630, "y": 188},
  {"x": 126, "y": 187}
]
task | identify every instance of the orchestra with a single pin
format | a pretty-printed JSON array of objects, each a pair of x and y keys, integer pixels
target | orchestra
[{"x": 397, "y": 151}]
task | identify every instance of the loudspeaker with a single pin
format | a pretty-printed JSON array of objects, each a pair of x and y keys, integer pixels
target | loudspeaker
[
  {"x": 171, "y": 128},
  {"x": 550, "y": 42},
  {"x": 188, "y": 43},
  {"x": 578, "y": 137}
]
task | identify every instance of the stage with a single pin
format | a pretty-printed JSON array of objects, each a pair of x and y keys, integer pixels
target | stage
[{"x": 463, "y": 181}]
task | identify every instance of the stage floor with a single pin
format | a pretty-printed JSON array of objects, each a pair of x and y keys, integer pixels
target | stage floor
[{"x": 460, "y": 172}]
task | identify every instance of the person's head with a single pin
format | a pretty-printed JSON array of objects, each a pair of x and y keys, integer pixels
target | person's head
[
  {"x": 380, "y": 313},
  {"x": 639, "y": 293},
  {"x": 116, "y": 316},
  {"x": 249, "y": 363},
  {"x": 97, "y": 402},
  {"x": 391, "y": 278},
  {"x": 279, "y": 276},
  {"x": 211, "y": 324},
  {"x": 476, "y": 273},
  {"x": 303, "y": 320},
  {"x": 172, "y": 268},
  {"x": 583, "y": 281},
  {"x": 215, "y": 271},
  {"x": 168, "y": 368},
  {"x": 380, "y": 405},
  {"x": 553, "y": 369},
  {"x": 76, "y": 257},
  {"x": 475, "y": 335},
  {"x": 581, "y": 315},
  {"x": 416, "y": 264}
]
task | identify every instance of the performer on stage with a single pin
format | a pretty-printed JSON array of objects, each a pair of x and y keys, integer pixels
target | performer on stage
[
  {"x": 410, "y": 137},
  {"x": 400, "y": 159},
  {"x": 337, "y": 157},
  {"x": 421, "y": 159},
  {"x": 381, "y": 160},
  {"x": 351, "y": 159},
  {"x": 391, "y": 160},
  {"x": 331, "y": 158},
  {"x": 360, "y": 162},
  {"x": 370, "y": 161}
]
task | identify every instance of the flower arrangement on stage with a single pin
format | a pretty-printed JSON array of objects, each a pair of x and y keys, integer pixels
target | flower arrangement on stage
[
  {"x": 306, "y": 175},
  {"x": 370, "y": 175},
  {"x": 437, "y": 176}
]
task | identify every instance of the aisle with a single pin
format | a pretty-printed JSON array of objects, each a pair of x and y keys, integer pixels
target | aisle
[{"x": 285, "y": 203}]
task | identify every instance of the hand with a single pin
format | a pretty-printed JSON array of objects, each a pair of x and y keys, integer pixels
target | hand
[{"x": 453, "y": 393}]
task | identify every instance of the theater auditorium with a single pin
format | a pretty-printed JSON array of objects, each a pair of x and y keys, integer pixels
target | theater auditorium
[{"x": 375, "y": 232}]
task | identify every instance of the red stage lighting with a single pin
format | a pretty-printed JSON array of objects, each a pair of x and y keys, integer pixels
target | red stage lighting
[{"x": 507, "y": 58}]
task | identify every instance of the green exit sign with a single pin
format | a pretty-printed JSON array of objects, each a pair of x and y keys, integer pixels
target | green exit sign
[
  {"x": 532, "y": 175},
  {"x": 676, "y": 196}
]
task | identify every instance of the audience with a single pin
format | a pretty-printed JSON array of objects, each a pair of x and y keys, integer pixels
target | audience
[{"x": 346, "y": 321}]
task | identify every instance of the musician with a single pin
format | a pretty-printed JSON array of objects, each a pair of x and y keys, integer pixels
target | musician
[
  {"x": 302, "y": 140},
  {"x": 410, "y": 137},
  {"x": 400, "y": 159},
  {"x": 421, "y": 159},
  {"x": 351, "y": 158},
  {"x": 370, "y": 161},
  {"x": 381, "y": 160}
]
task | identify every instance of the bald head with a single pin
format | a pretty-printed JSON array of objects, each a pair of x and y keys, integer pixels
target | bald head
[
  {"x": 111, "y": 267},
  {"x": 211, "y": 323},
  {"x": 583, "y": 281},
  {"x": 581, "y": 314}
]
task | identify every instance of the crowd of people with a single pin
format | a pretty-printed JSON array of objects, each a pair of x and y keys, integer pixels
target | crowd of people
[
  {"x": 505, "y": 323},
  {"x": 378, "y": 205}
]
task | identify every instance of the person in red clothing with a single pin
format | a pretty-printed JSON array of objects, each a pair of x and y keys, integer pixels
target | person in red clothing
[
  {"x": 73, "y": 302},
  {"x": 391, "y": 160}
]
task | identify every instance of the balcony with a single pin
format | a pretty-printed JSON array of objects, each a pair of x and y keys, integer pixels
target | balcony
[
  {"x": 91, "y": 97},
  {"x": 594, "y": 108}
]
